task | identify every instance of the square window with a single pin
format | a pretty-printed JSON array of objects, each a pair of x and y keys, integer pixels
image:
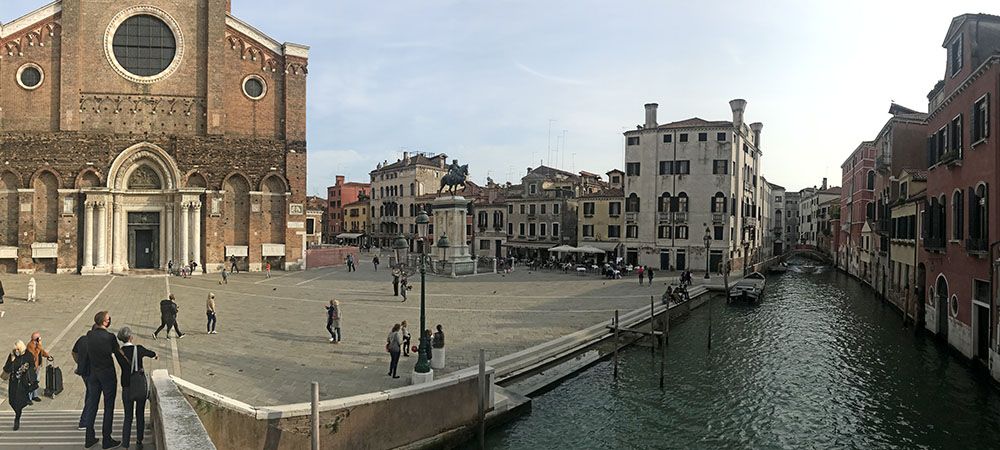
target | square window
[
  {"x": 668, "y": 138},
  {"x": 634, "y": 140},
  {"x": 721, "y": 137},
  {"x": 702, "y": 137},
  {"x": 683, "y": 137}
]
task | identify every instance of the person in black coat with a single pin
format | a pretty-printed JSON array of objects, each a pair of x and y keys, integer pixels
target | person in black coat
[
  {"x": 168, "y": 317},
  {"x": 134, "y": 386},
  {"x": 21, "y": 380}
]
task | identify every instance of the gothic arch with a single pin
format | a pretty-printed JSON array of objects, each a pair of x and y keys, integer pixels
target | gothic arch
[
  {"x": 143, "y": 154},
  {"x": 40, "y": 172},
  {"x": 273, "y": 208},
  {"x": 9, "y": 215},
  {"x": 273, "y": 183},
  {"x": 236, "y": 209},
  {"x": 45, "y": 209},
  {"x": 195, "y": 179},
  {"x": 88, "y": 178}
]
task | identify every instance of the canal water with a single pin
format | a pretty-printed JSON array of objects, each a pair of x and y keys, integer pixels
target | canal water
[{"x": 818, "y": 364}]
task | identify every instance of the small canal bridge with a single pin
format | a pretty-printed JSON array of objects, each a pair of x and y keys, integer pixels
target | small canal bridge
[{"x": 808, "y": 253}]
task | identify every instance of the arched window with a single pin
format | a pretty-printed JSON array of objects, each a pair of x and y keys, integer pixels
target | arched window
[
  {"x": 483, "y": 219},
  {"x": 663, "y": 205},
  {"x": 719, "y": 203},
  {"x": 979, "y": 219},
  {"x": 957, "y": 215},
  {"x": 413, "y": 190},
  {"x": 871, "y": 180},
  {"x": 632, "y": 203},
  {"x": 682, "y": 202}
]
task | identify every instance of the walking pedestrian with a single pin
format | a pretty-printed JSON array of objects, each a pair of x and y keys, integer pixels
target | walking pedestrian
[
  {"x": 79, "y": 353},
  {"x": 392, "y": 344},
  {"x": 170, "y": 267},
  {"x": 194, "y": 266},
  {"x": 350, "y": 263},
  {"x": 404, "y": 284},
  {"x": 267, "y": 270},
  {"x": 17, "y": 369},
  {"x": 640, "y": 272},
  {"x": 101, "y": 345},
  {"x": 210, "y": 311},
  {"x": 375, "y": 262},
  {"x": 168, "y": 317},
  {"x": 649, "y": 275},
  {"x": 37, "y": 353},
  {"x": 395, "y": 282},
  {"x": 32, "y": 290},
  {"x": 406, "y": 338},
  {"x": 135, "y": 387},
  {"x": 333, "y": 321},
  {"x": 1, "y": 292},
  {"x": 225, "y": 276},
  {"x": 232, "y": 262}
]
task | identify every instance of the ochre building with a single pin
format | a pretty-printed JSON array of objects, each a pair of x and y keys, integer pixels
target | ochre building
[{"x": 133, "y": 134}]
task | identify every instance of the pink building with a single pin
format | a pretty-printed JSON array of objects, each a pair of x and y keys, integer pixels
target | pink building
[{"x": 857, "y": 206}]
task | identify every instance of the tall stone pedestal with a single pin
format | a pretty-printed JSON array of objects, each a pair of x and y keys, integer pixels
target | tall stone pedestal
[{"x": 450, "y": 219}]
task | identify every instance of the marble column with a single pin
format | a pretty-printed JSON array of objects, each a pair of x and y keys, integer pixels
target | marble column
[
  {"x": 102, "y": 233},
  {"x": 116, "y": 238},
  {"x": 88, "y": 236},
  {"x": 184, "y": 234},
  {"x": 196, "y": 233},
  {"x": 169, "y": 223}
]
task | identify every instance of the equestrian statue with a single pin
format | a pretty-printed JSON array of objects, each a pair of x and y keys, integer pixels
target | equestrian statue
[{"x": 455, "y": 177}]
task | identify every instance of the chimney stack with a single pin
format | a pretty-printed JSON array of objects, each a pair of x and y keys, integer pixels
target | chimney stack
[
  {"x": 406, "y": 158},
  {"x": 824, "y": 183},
  {"x": 229, "y": 6},
  {"x": 651, "y": 115},
  {"x": 340, "y": 180},
  {"x": 756, "y": 127},
  {"x": 738, "y": 106}
]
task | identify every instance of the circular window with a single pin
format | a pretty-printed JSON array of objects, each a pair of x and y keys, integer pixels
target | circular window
[
  {"x": 143, "y": 44},
  {"x": 30, "y": 76},
  {"x": 953, "y": 306},
  {"x": 254, "y": 87}
]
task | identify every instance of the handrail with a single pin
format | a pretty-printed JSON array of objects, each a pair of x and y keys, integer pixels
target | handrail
[{"x": 176, "y": 425}]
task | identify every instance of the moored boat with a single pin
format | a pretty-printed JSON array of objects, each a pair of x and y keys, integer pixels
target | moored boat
[{"x": 749, "y": 289}]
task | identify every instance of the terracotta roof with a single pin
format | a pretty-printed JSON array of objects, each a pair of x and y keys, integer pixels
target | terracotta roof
[
  {"x": 357, "y": 203},
  {"x": 695, "y": 122},
  {"x": 550, "y": 171},
  {"x": 833, "y": 190},
  {"x": 606, "y": 193},
  {"x": 418, "y": 159}
]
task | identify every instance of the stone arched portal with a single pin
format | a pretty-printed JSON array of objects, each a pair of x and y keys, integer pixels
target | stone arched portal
[{"x": 141, "y": 218}]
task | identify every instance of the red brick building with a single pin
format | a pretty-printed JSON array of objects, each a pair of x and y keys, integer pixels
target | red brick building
[
  {"x": 137, "y": 134},
  {"x": 338, "y": 196},
  {"x": 963, "y": 164},
  {"x": 857, "y": 206}
]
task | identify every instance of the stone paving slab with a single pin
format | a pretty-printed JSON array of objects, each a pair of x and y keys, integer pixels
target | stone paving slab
[{"x": 272, "y": 339}]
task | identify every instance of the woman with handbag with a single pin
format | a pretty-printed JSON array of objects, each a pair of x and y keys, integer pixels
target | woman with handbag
[
  {"x": 134, "y": 386},
  {"x": 18, "y": 372}
]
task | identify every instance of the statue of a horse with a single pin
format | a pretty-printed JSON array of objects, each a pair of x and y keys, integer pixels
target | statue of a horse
[{"x": 454, "y": 178}]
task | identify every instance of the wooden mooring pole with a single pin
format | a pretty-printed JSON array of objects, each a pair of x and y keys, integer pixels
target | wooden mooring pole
[
  {"x": 482, "y": 399},
  {"x": 652, "y": 327},
  {"x": 664, "y": 325},
  {"x": 314, "y": 417},
  {"x": 616, "y": 345}
]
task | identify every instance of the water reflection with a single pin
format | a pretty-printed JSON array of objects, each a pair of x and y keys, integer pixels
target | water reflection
[{"x": 818, "y": 364}]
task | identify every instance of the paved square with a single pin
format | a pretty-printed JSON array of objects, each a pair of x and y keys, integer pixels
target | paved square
[{"x": 272, "y": 339}]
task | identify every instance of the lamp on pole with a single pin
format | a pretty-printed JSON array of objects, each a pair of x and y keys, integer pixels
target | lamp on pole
[
  {"x": 422, "y": 221},
  {"x": 708, "y": 245}
]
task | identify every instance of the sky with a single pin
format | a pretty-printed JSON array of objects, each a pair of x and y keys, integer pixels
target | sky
[{"x": 485, "y": 81}]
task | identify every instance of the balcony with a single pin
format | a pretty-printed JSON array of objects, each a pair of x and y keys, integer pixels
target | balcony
[
  {"x": 882, "y": 162},
  {"x": 718, "y": 218},
  {"x": 663, "y": 216},
  {"x": 680, "y": 217},
  {"x": 976, "y": 245},
  {"x": 934, "y": 243},
  {"x": 631, "y": 217},
  {"x": 749, "y": 222},
  {"x": 950, "y": 157}
]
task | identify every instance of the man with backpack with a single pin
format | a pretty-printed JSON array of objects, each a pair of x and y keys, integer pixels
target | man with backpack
[{"x": 168, "y": 317}]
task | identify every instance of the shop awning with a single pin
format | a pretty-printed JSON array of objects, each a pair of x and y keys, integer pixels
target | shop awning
[
  {"x": 563, "y": 248},
  {"x": 605, "y": 246},
  {"x": 349, "y": 235},
  {"x": 588, "y": 249}
]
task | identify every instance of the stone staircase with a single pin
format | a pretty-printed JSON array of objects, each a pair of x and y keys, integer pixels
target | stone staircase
[{"x": 57, "y": 430}]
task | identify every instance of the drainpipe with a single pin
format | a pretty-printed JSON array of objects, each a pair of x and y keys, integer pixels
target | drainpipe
[{"x": 994, "y": 266}]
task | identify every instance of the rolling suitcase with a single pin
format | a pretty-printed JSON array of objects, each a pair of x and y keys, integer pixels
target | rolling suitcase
[{"x": 53, "y": 381}]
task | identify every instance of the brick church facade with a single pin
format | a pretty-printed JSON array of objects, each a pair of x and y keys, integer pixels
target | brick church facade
[{"x": 137, "y": 133}]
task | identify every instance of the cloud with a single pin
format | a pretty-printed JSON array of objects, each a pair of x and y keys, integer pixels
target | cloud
[{"x": 547, "y": 77}]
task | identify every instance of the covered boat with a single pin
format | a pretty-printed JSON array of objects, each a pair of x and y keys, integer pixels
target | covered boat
[{"x": 749, "y": 289}]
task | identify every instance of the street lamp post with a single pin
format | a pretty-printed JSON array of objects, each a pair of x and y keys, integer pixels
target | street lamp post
[
  {"x": 423, "y": 364},
  {"x": 708, "y": 245}
]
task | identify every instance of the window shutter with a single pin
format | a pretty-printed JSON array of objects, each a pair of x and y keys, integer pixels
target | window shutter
[
  {"x": 930, "y": 152},
  {"x": 924, "y": 222},
  {"x": 986, "y": 120}
]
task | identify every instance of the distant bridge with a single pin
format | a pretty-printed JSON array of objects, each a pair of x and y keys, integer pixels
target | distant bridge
[{"x": 809, "y": 253}]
